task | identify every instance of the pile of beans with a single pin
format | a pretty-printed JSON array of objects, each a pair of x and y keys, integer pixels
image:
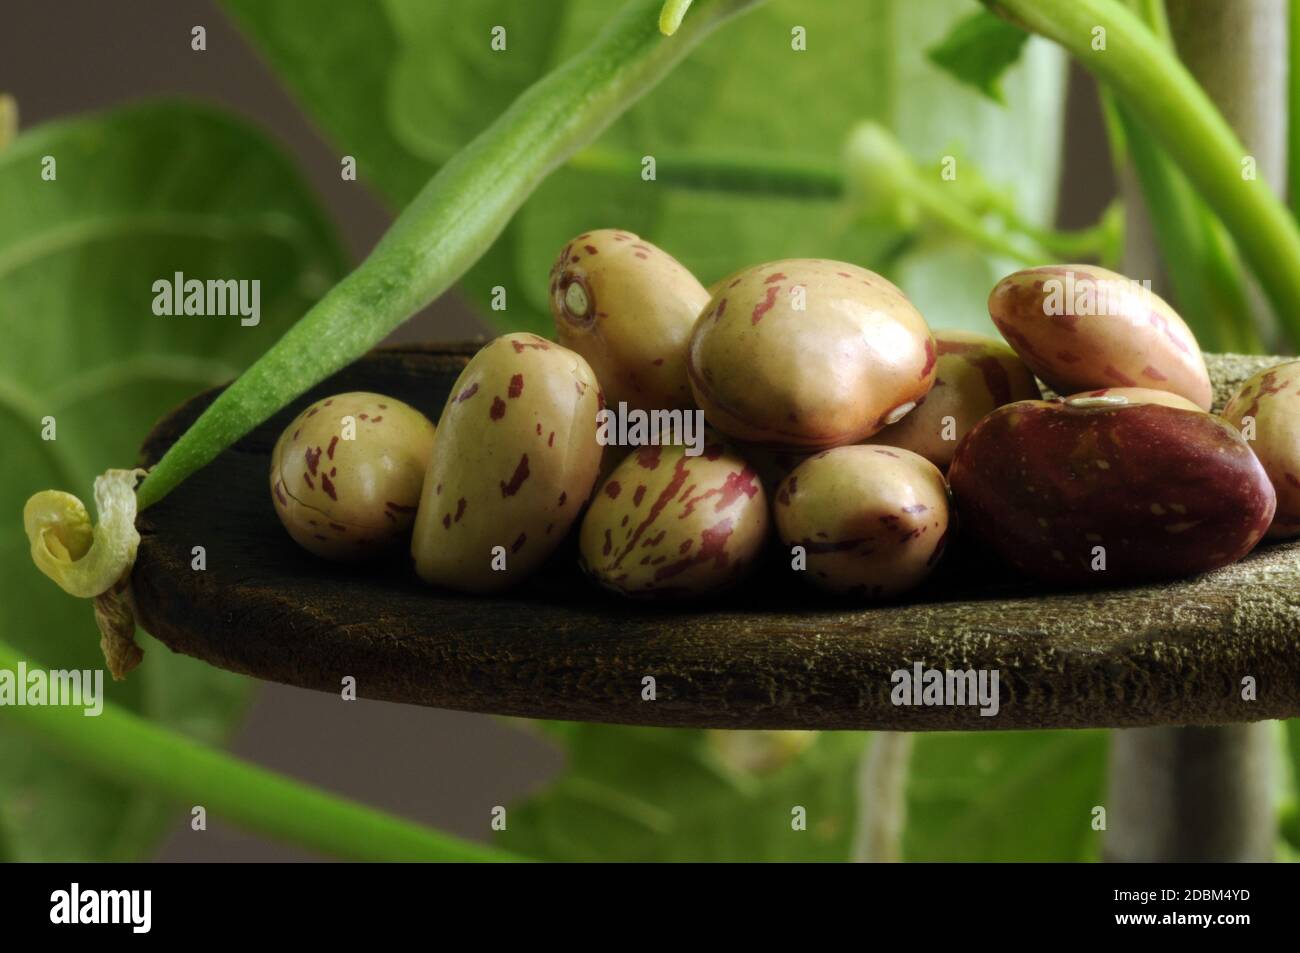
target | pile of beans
[{"x": 833, "y": 419}]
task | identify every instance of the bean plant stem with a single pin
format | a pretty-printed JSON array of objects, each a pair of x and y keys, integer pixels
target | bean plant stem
[
  {"x": 817, "y": 180},
  {"x": 1156, "y": 18},
  {"x": 1237, "y": 52},
  {"x": 1100, "y": 240},
  {"x": 1160, "y": 91},
  {"x": 882, "y": 797},
  {"x": 741, "y": 173},
  {"x": 961, "y": 221},
  {"x": 1207, "y": 277},
  {"x": 137, "y": 753},
  {"x": 1190, "y": 795},
  {"x": 449, "y": 225}
]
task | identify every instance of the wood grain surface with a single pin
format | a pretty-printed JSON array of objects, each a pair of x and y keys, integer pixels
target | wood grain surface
[{"x": 771, "y": 654}]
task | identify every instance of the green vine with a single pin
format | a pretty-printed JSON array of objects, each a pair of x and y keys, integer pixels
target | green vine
[
  {"x": 741, "y": 173},
  {"x": 880, "y": 182},
  {"x": 131, "y": 750}
]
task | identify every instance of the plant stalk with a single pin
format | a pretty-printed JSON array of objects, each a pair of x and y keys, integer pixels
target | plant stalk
[
  {"x": 133, "y": 751},
  {"x": 742, "y": 173},
  {"x": 882, "y": 798},
  {"x": 813, "y": 179},
  {"x": 1192, "y": 794}
]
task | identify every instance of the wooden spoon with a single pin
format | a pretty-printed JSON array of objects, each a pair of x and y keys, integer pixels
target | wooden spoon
[{"x": 769, "y": 655}]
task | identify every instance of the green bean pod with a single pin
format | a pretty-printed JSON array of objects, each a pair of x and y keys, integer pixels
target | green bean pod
[{"x": 448, "y": 226}]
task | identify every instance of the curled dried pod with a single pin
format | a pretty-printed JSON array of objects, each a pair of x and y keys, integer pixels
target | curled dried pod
[
  {"x": 871, "y": 521},
  {"x": 628, "y": 308},
  {"x": 516, "y": 458},
  {"x": 1092, "y": 492},
  {"x": 666, "y": 525},
  {"x": 1266, "y": 409},
  {"x": 347, "y": 471},
  {"x": 1080, "y": 327},
  {"x": 973, "y": 375},
  {"x": 807, "y": 354}
]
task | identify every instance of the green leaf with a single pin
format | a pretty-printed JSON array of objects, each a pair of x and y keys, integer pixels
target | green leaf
[
  {"x": 139, "y": 194},
  {"x": 979, "y": 51},
  {"x": 341, "y": 67},
  {"x": 659, "y": 794},
  {"x": 437, "y": 104},
  {"x": 1005, "y": 796},
  {"x": 668, "y": 795}
]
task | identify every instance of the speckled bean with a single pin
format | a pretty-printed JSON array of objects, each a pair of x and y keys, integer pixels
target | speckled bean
[
  {"x": 347, "y": 471},
  {"x": 809, "y": 354},
  {"x": 973, "y": 375},
  {"x": 666, "y": 525},
  {"x": 516, "y": 459},
  {"x": 1080, "y": 327},
  {"x": 1272, "y": 399},
  {"x": 1105, "y": 495},
  {"x": 872, "y": 521},
  {"x": 628, "y": 308}
]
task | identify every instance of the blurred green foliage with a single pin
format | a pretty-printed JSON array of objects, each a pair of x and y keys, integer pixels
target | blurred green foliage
[{"x": 676, "y": 794}]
